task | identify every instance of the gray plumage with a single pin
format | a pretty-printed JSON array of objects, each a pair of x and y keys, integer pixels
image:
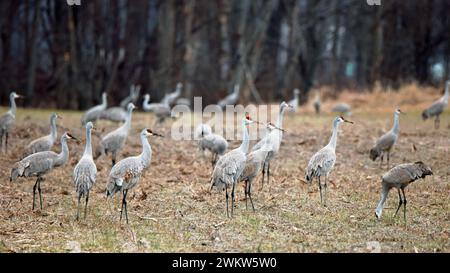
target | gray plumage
[
  {"x": 322, "y": 163},
  {"x": 44, "y": 143},
  {"x": 230, "y": 166},
  {"x": 114, "y": 114},
  {"x": 231, "y": 99},
  {"x": 8, "y": 119},
  {"x": 254, "y": 164},
  {"x": 214, "y": 143},
  {"x": 41, "y": 163},
  {"x": 294, "y": 103},
  {"x": 85, "y": 172},
  {"x": 342, "y": 108},
  {"x": 275, "y": 138},
  {"x": 385, "y": 143},
  {"x": 437, "y": 108},
  {"x": 127, "y": 173},
  {"x": 171, "y": 98},
  {"x": 114, "y": 141},
  {"x": 135, "y": 91},
  {"x": 94, "y": 113},
  {"x": 183, "y": 101},
  {"x": 400, "y": 177},
  {"x": 161, "y": 110}
]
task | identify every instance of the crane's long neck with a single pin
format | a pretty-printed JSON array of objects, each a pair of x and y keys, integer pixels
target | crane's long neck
[
  {"x": 446, "y": 94},
  {"x": 396, "y": 126},
  {"x": 53, "y": 131},
  {"x": 281, "y": 117},
  {"x": 380, "y": 206},
  {"x": 13, "y": 105},
  {"x": 146, "y": 155},
  {"x": 64, "y": 155},
  {"x": 88, "y": 148},
  {"x": 127, "y": 124},
  {"x": 333, "y": 139},
  {"x": 146, "y": 102},
  {"x": 245, "y": 138}
]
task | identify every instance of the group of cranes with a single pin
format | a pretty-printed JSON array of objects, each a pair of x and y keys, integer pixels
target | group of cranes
[{"x": 229, "y": 169}]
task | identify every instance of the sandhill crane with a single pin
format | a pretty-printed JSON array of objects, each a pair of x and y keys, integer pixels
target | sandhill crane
[
  {"x": 170, "y": 99},
  {"x": 295, "y": 102},
  {"x": 400, "y": 177},
  {"x": 115, "y": 140},
  {"x": 85, "y": 172},
  {"x": 161, "y": 110},
  {"x": 94, "y": 113},
  {"x": 276, "y": 136},
  {"x": 322, "y": 163},
  {"x": 437, "y": 107},
  {"x": 8, "y": 119},
  {"x": 254, "y": 164},
  {"x": 214, "y": 143},
  {"x": 44, "y": 143},
  {"x": 343, "y": 109},
  {"x": 385, "y": 143},
  {"x": 135, "y": 91},
  {"x": 127, "y": 173},
  {"x": 317, "y": 103},
  {"x": 41, "y": 163},
  {"x": 230, "y": 166},
  {"x": 231, "y": 99}
]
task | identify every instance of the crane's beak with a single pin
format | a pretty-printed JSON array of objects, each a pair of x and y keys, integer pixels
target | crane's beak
[
  {"x": 58, "y": 117},
  {"x": 348, "y": 121},
  {"x": 18, "y": 96},
  {"x": 156, "y": 135}
]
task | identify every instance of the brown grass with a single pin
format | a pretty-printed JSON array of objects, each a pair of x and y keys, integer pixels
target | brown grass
[{"x": 172, "y": 211}]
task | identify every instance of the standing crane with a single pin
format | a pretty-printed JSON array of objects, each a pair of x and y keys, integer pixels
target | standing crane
[
  {"x": 400, "y": 177},
  {"x": 275, "y": 138},
  {"x": 171, "y": 98},
  {"x": 231, "y": 99},
  {"x": 44, "y": 143},
  {"x": 385, "y": 143},
  {"x": 295, "y": 102},
  {"x": 95, "y": 112},
  {"x": 8, "y": 119},
  {"x": 41, "y": 163},
  {"x": 322, "y": 163},
  {"x": 85, "y": 172},
  {"x": 214, "y": 143},
  {"x": 230, "y": 166},
  {"x": 436, "y": 109},
  {"x": 135, "y": 91},
  {"x": 115, "y": 140},
  {"x": 127, "y": 173},
  {"x": 161, "y": 110},
  {"x": 254, "y": 164}
]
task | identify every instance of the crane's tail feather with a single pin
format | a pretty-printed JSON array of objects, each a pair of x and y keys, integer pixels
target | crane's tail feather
[
  {"x": 425, "y": 115},
  {"x": 374, "y": 153}
]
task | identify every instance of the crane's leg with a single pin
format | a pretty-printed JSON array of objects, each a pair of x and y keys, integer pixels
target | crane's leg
[
  {"x": 6, "y": 142},
  {"x": 85, "y": 206},
  {"x": 226, "y": 199},
  {"x": 124, "y": 206},
  {"x": 268, "y": 172},
  {"x": 325, "y": 192},
  {"x": 263, "y": 174},
  {"x": 34, "y": 192},
  {"x": 400, "y": 202},
  {"x": 381, "y": 160},
  {"x": 404, "y": 204},
  {"x": 1, "y": 141},
  {"x": 246, "y": 191},
  {"x": 437, "y": 122},
  {"x": 232, "y": 199},
  {"x": 249, "y": 193},
  {"x": 40, "y": 193},
  {"x": 320, "y": 189},
  {"x": 78, "y": 207}
]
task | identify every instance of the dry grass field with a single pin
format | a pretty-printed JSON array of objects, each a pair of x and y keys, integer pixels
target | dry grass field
[{"x": 173, "y": 211}]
